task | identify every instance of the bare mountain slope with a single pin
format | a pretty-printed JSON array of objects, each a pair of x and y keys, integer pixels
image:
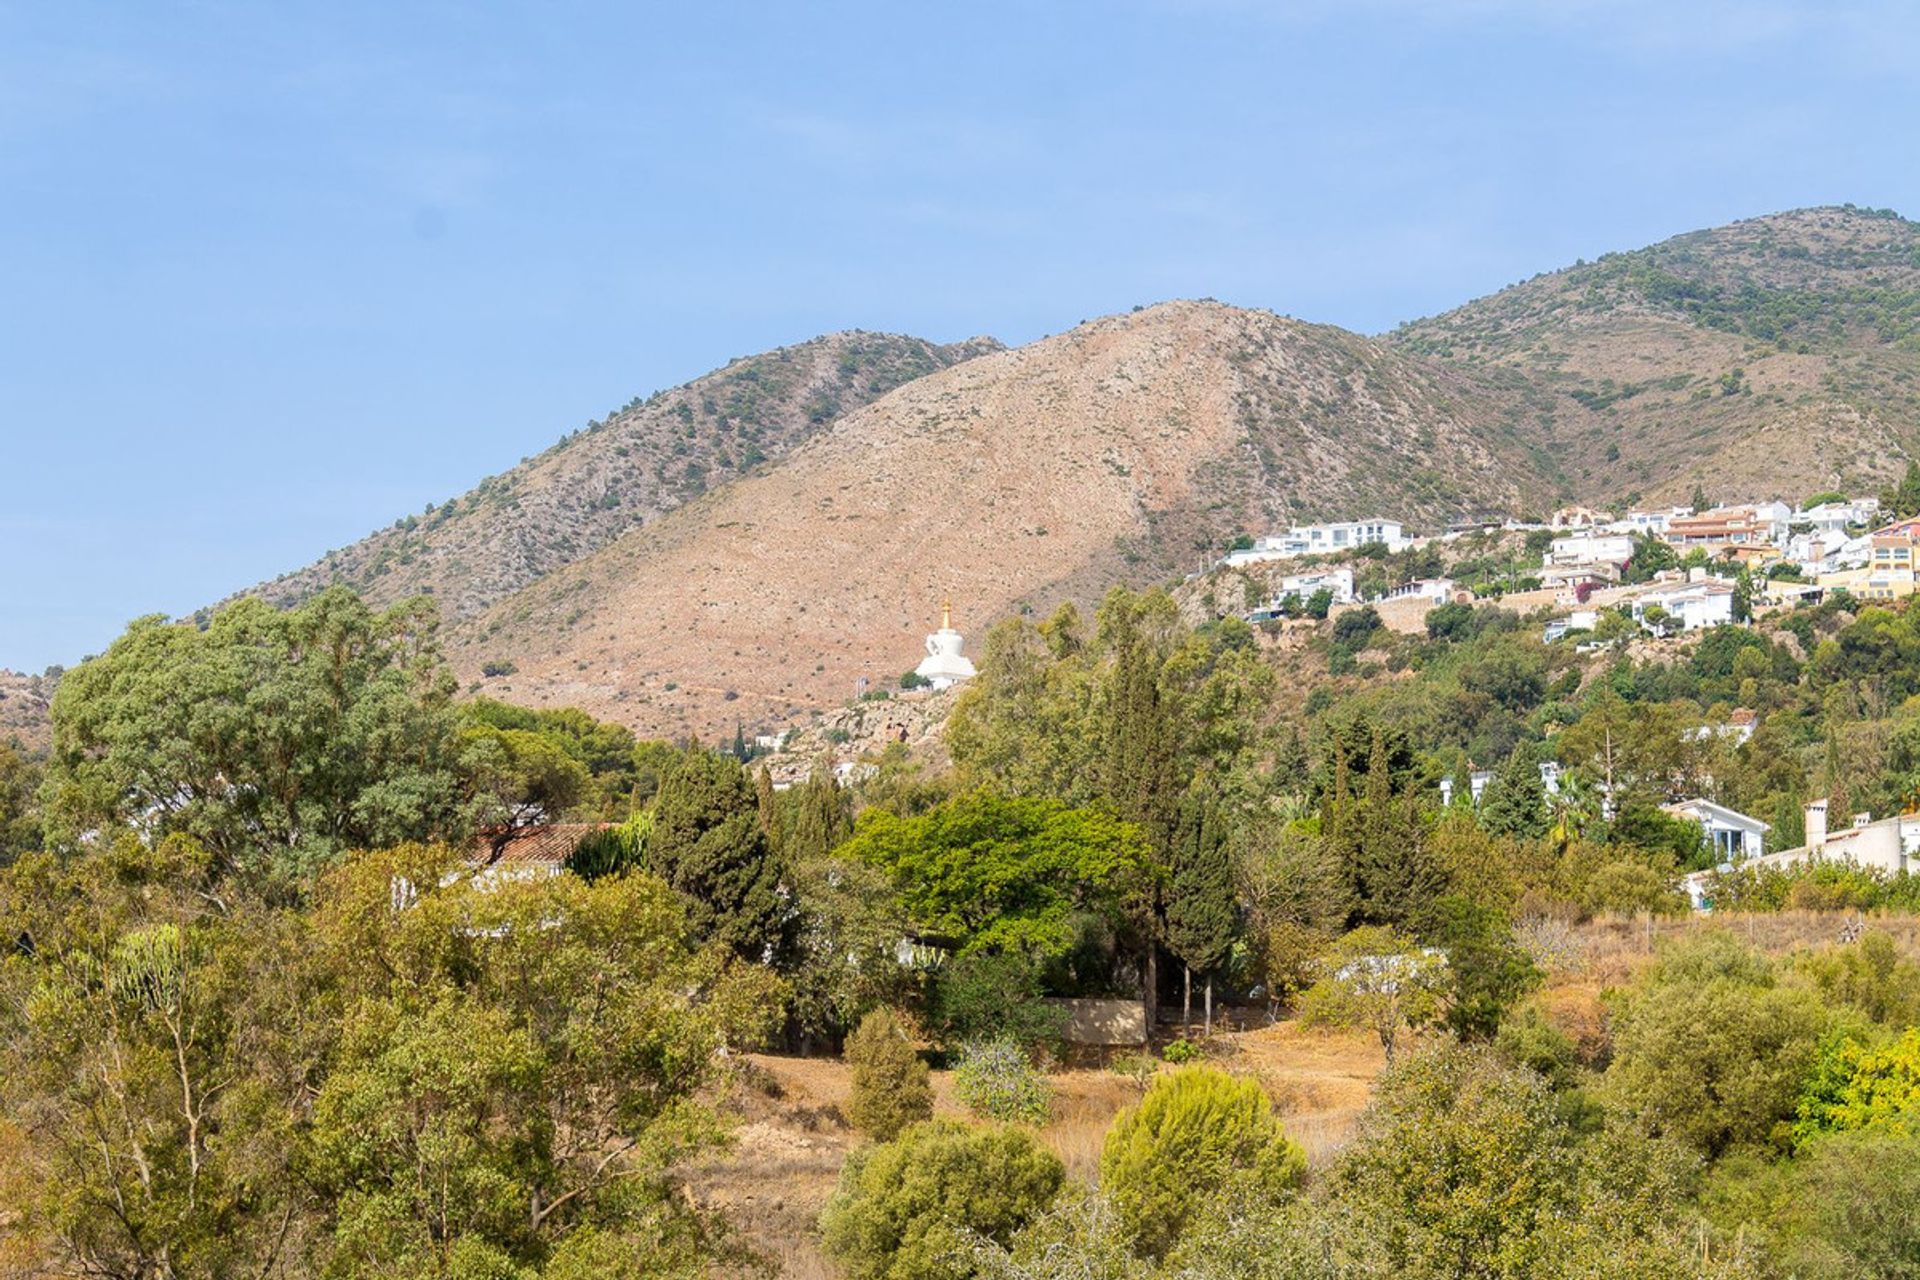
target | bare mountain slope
[
  {"x": 640, "y": 462},
  {"x": 1775, "y": 355},
  {"x": 1122, "y": 450}
]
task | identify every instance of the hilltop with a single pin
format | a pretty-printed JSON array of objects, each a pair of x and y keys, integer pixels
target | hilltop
[
  {"x": 1128, "y": 449},
  {"x": 1777, "y": 355},
  {"x": 24, "y": 702},
  {"x": 622, "y": 471}
]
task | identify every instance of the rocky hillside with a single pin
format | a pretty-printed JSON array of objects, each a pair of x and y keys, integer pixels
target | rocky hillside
[
  {"x": 24, "y": 703},
  {"x": 1776, "y": 355},
  {"x": 619, "y": 473},
  {"x": 1128, "y": 449}
]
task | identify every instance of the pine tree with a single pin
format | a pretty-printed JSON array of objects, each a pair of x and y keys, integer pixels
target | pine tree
[
  {"x": 1200, "y": 898},
  {"x": 708, "y": 844},
  {"x": 1392, "y": 876},
  {"x": 1904, "y": 499},
  {"x": 1515, "y": 803}
]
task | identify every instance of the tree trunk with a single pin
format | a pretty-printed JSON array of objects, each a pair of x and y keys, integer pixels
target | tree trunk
[
  {"x": 1209, "y": 1004},
  {"x": 1150, "y": 998},
  {"x": 1186, "y": 998}
]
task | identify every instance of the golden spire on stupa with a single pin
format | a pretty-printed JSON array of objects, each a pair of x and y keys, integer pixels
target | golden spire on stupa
[{"x": 946, "y": 614}]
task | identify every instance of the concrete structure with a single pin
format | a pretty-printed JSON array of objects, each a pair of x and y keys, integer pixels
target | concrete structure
[
  {"x": 945, "y": 666},
  {"x": 1838, "y": 517},
  {"x": 1103, "y": 1022},
  {"x": 1578, "y": 518},
  {"x": 1438, "y": 590}
]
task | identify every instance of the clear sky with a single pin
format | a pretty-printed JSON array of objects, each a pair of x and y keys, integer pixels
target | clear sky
[{"x": 274, "y": 274}]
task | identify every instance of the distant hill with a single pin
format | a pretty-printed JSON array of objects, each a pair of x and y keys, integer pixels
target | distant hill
[
  {"x": 638, "y": 463},
  {"x": 1129, "y": 449},
  {"x": 24, "y": 703},
  {"x": 1778, "y": 355}
]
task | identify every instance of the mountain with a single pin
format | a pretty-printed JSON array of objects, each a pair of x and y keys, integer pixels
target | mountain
[
  {"x": 1128, "y": 449},
  {"x": 1778, "y": 355},
  {"x": 635, "y": 465}
]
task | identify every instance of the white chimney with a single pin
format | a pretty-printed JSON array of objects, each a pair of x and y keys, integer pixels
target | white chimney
[{"x": 1816, "y": 818}]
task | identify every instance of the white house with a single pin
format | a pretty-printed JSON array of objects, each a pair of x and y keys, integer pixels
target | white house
[
  {"x": 1648, "y": 523},
  {"x": 1302, "y": 586},
  {"x": 1688, "y": 606},
  {"x": 1438, "y": 590},
  {"x": 1839, "y": 517},
  {"x": 1588, "y": 549},
  {"x": 1577, "y": 620},
  {"x": 1733, "y": 836},
  {"x": 1889, "y": 846}
]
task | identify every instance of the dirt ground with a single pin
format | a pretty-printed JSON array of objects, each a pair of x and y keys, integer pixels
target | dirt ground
[{"x": 787, "y": 1152}]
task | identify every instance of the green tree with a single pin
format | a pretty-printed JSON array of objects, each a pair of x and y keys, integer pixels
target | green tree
[
  {"x": 277, "y": 739},
  {"x": 1711, "y": 1050},
  {"x": 708, "y": 844},
  {"x": 1197, "y": 1137},
  {"x": 995, "y": 1079},
  {"x": 991, "y": 872},
  {"x": 889, "y": 1082},
  {"x": 821, "y": 819},
  {"x": 910, "y": 1209},
  {"x": 1903, "y": 499},
  {"x": 1487, "y": 970},
  {"x": 1515, "y": 802},
  {"x": 19, "y": 809},
  {"x": 1379, "y": 979},
  {"x": 1200, "y": 908}
]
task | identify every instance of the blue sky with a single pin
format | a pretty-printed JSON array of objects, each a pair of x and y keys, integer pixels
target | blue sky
[{"x": 273, "y": 275}]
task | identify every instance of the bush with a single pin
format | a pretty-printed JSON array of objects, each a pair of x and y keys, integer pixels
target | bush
[
  {"x": 890, "y": 1088},
  {"x": 1352, "y": 629},
  {"x": 1711, "y": 1052},
  {"x": 996, "y": 1079},
  {"x": 909, "y": 1209},
  {"x": 1181, "y": 1051},
  {"x": 994, "y": 997},
  {"x": 498, "y": 667},
  {"x": 1198, "y": 1136}
]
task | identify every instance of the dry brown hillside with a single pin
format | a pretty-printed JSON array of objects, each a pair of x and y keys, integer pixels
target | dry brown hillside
[
  {"x": 23, "y": 709},
  {"x": 1127, "y": 449},
  {"x": 621, "y": 472},
  {"x": 1779, "y": 355}
]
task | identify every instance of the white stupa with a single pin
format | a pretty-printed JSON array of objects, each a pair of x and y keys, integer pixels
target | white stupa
[{"x": 945, "y": 666}]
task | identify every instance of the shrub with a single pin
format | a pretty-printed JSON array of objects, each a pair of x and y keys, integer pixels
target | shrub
[
  {"x": 498, "y": 667},
  {"x": 1138, "y": 1068},
  {"x": 1181, "y": 1051},
  {"x": 996, "y": 1079},
  {"x": 909, "y": 1209},
  {"x": 1197, "y": 1136},
  {"x": 890, "y": 1089},
  {"x": 1710, "y": 1051},
  {"x": 994, "y": 997}
]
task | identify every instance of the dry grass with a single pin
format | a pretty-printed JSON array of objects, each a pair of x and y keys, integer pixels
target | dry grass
[
  {"x": 1615, "y": 949},
  {"x": 786, "y": 1155}
]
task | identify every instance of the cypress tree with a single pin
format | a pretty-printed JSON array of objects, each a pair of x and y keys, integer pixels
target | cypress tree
[
  {"x": 708, "y": 844},
  {"x": 821, "y": 819},
  {"x": 1200, "y": 900}
]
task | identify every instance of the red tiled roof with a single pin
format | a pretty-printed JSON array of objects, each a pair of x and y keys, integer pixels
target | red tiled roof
[{"x": 550, "y": 843}]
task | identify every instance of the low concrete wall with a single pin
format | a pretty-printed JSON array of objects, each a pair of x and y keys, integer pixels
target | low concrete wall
[{"x": 1104, "y": 1022}]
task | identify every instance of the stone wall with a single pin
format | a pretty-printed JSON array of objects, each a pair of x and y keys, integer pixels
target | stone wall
[{"x": 1104, "y": 1022}]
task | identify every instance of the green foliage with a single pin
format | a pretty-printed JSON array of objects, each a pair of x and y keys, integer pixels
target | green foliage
[
  {"x": 1379, "y": 979},
  {"x": 1711, "y": 1050},
  {"x": 1854, "y": 1084},
  {"x": 1487, "y": 970},
  {"x": 1182, "y": 1051},
  {"x": 995, "y": 1079},
  {"x": 19, "y": 809},
  {"x": 982, "y": 996},
  {"x": 1515, "y": 801},
  {"x": 992, "y": 872},
  {"x": 1197, "y": 1136},
  {"x": 1355, "y": 628},
  {"x": 845, "y": 959},
  {"x": 1200, "y": 915},
  {"x": 889, "y": 1088},
  {"x": 612, "y": 851},
  {"x": 910, "y": 1209},
  {"x": 276, "y": 739},
  {"x": 708, "y": 844}
]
